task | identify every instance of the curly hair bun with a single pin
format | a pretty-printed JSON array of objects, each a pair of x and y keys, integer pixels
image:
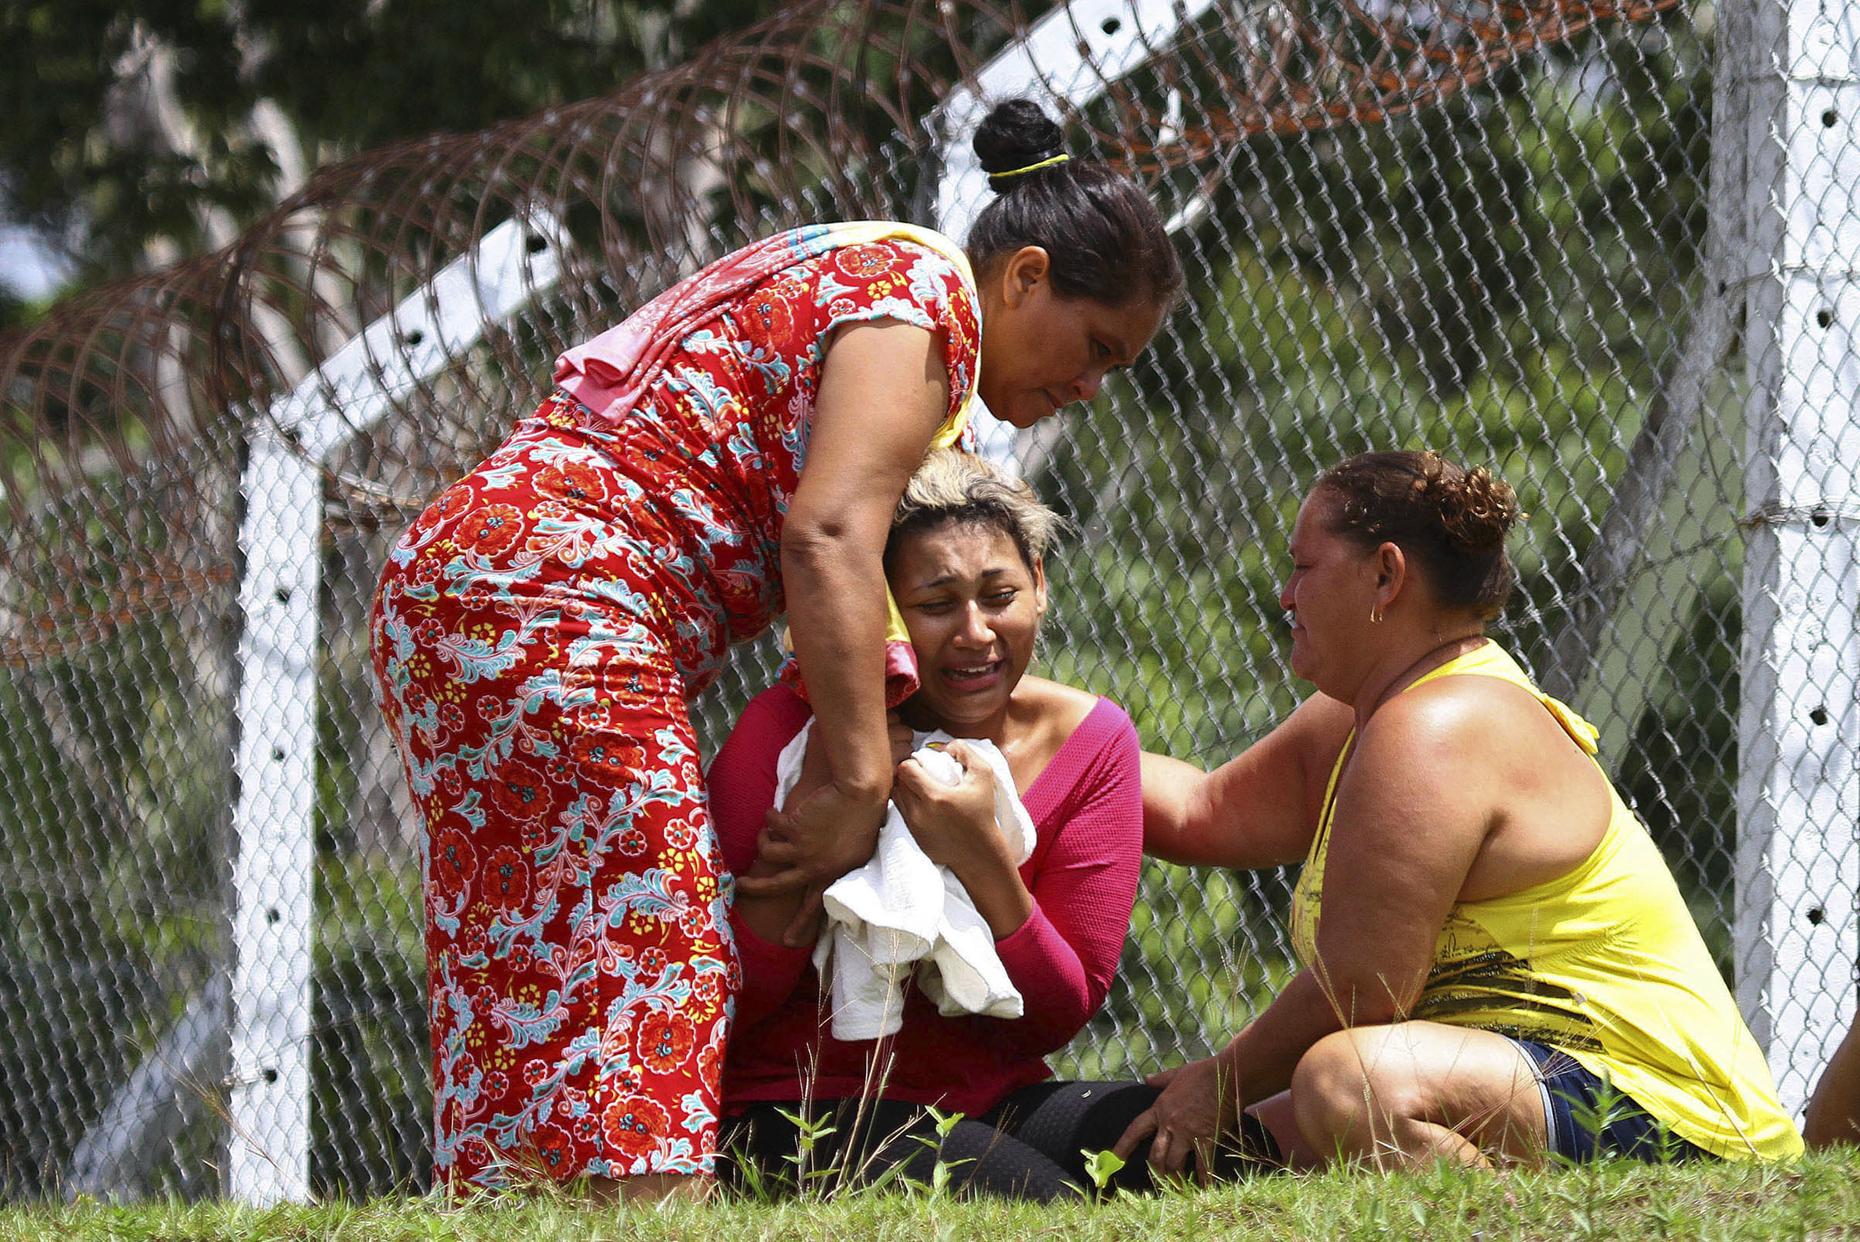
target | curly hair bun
[
  {"x": 1454, "y": 520},
  {"x": 1477, "y": 509},
  {"x": 1013, "y": 135}
]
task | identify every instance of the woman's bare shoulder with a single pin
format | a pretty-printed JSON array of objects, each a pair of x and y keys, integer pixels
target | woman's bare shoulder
[
  {"x": 1471, "y": 718},
  {"x": 1466, "y": 700},
  {"x": 1053, "y": 704}
]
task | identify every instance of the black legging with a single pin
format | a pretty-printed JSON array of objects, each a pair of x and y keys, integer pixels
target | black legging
[{"x": 1032, "y": 1145}]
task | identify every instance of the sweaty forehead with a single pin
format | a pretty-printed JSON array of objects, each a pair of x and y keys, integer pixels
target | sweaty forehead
[
  {"x": 1313, "y": 516},
  {"x": 966, "y": 545},
  {"x": 958, "y": 538}
]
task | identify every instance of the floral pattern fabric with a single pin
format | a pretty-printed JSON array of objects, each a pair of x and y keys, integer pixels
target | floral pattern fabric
[{"x": 538, "y": 635}]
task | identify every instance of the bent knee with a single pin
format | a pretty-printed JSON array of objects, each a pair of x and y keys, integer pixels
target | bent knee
[
  {"x": 1342, "y": 1080},
  {"x": 1329, "y": 1076}
]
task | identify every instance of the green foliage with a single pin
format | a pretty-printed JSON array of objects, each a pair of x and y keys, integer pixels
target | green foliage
[
  {"x": 811, "y": 1134},
  {"x": 1679, "y": 772},
  {"x": 112, "y": 912},
  {"x": 372, "y": 1092},
  {"x": 79, "y": 152},
  {"x": 1102, "y": 1166},
  {"x": 941, "y": 1170}
]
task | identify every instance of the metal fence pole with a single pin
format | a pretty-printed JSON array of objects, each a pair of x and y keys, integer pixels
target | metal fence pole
[
  {"x": 1798, "y": 858},
  {"x": 281, "y": 538},
  {"x": 276, "y": 764}
]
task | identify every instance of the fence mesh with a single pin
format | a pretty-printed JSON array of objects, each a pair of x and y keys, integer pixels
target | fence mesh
[{"x": 1474, "y": 227}]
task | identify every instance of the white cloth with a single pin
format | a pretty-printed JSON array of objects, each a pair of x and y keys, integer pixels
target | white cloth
[{"x": 901, "y": 911}]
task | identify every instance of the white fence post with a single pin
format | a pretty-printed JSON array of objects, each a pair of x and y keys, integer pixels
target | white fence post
[
  {"x": 280, "y": 538},
  {"x": 1798, "y": 857},
  {"x": 276, "y": 764}
]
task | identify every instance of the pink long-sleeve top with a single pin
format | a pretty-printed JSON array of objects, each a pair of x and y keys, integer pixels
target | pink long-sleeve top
[{"x": 1087, "y": 810}]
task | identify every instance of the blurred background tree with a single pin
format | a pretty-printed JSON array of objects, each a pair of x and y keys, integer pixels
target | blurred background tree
[{"x": 131, "y": 136}]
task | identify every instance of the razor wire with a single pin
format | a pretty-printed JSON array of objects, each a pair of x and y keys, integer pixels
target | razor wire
[{"x": 1516, "y": 233}]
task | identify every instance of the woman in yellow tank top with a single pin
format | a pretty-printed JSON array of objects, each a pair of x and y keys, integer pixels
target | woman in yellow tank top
[{"x": 1495, "y": 961}]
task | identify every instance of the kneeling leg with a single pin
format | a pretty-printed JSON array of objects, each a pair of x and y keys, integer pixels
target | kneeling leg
[{"x": 1413, "y": 1092}]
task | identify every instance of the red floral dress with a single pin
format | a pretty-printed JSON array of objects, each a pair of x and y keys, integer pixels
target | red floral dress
[{"x": 538, "y": 635}]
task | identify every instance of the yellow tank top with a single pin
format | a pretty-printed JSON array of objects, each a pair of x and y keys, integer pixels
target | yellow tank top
[{"x": 1603, "y": 963}]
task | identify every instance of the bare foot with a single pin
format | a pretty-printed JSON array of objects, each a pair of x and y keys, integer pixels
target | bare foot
[{"x": 653, "y": 1188}]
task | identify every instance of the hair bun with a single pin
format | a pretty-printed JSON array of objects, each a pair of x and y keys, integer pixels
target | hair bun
[
  {"x": 1014, "y": 134},
  {"x": 1453, "y": 520},
  {"x": 1477, "y": 508}
]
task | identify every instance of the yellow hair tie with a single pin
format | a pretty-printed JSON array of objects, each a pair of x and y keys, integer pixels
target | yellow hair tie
[{"x": 1061, "y": 158}]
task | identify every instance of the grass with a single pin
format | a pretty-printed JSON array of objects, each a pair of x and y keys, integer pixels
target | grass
[{"x": 1818, "y": 1197}]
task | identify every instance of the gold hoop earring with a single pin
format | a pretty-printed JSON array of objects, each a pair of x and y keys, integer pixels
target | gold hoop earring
[{"x": 1375, "y": 616}]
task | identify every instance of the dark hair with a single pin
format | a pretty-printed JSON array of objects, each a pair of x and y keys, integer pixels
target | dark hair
[
  {"x": 1102, "y": 233},
  {"x": 957, "y": 487},
  {"x": 1453, "y": 521}
]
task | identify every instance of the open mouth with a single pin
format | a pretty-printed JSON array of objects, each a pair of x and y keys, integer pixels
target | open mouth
[{"x": 973, "y": 676}]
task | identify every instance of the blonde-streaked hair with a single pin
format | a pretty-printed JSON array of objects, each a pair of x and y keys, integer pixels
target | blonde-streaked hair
[{"x": 954, "y": 486}]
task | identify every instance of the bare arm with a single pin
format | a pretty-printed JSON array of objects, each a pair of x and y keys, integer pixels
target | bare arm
[
  {"x": 1256, "y": 810},
  {"x": 883, "y": 393},
  {"x": 1413, "y": 809}
]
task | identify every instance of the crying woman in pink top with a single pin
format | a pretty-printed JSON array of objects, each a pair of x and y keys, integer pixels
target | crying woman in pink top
[{"x": 964, "y": 560}]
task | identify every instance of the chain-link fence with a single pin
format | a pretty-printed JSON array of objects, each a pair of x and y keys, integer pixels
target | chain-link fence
[{"x": 1512, "y": 233}]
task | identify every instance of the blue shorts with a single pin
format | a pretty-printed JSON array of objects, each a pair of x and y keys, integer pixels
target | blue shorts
[{"x": 1573, "y": 1107}]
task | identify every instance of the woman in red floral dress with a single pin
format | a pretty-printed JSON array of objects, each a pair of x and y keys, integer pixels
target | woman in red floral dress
[{"x": 540, "y": 631}]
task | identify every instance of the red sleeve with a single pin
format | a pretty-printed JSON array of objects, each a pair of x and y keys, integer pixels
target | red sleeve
[
  {"x": 897, "y": 279},
  {"x": 742, "y": 789},
  {"x": 1063, "y": 958}
]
